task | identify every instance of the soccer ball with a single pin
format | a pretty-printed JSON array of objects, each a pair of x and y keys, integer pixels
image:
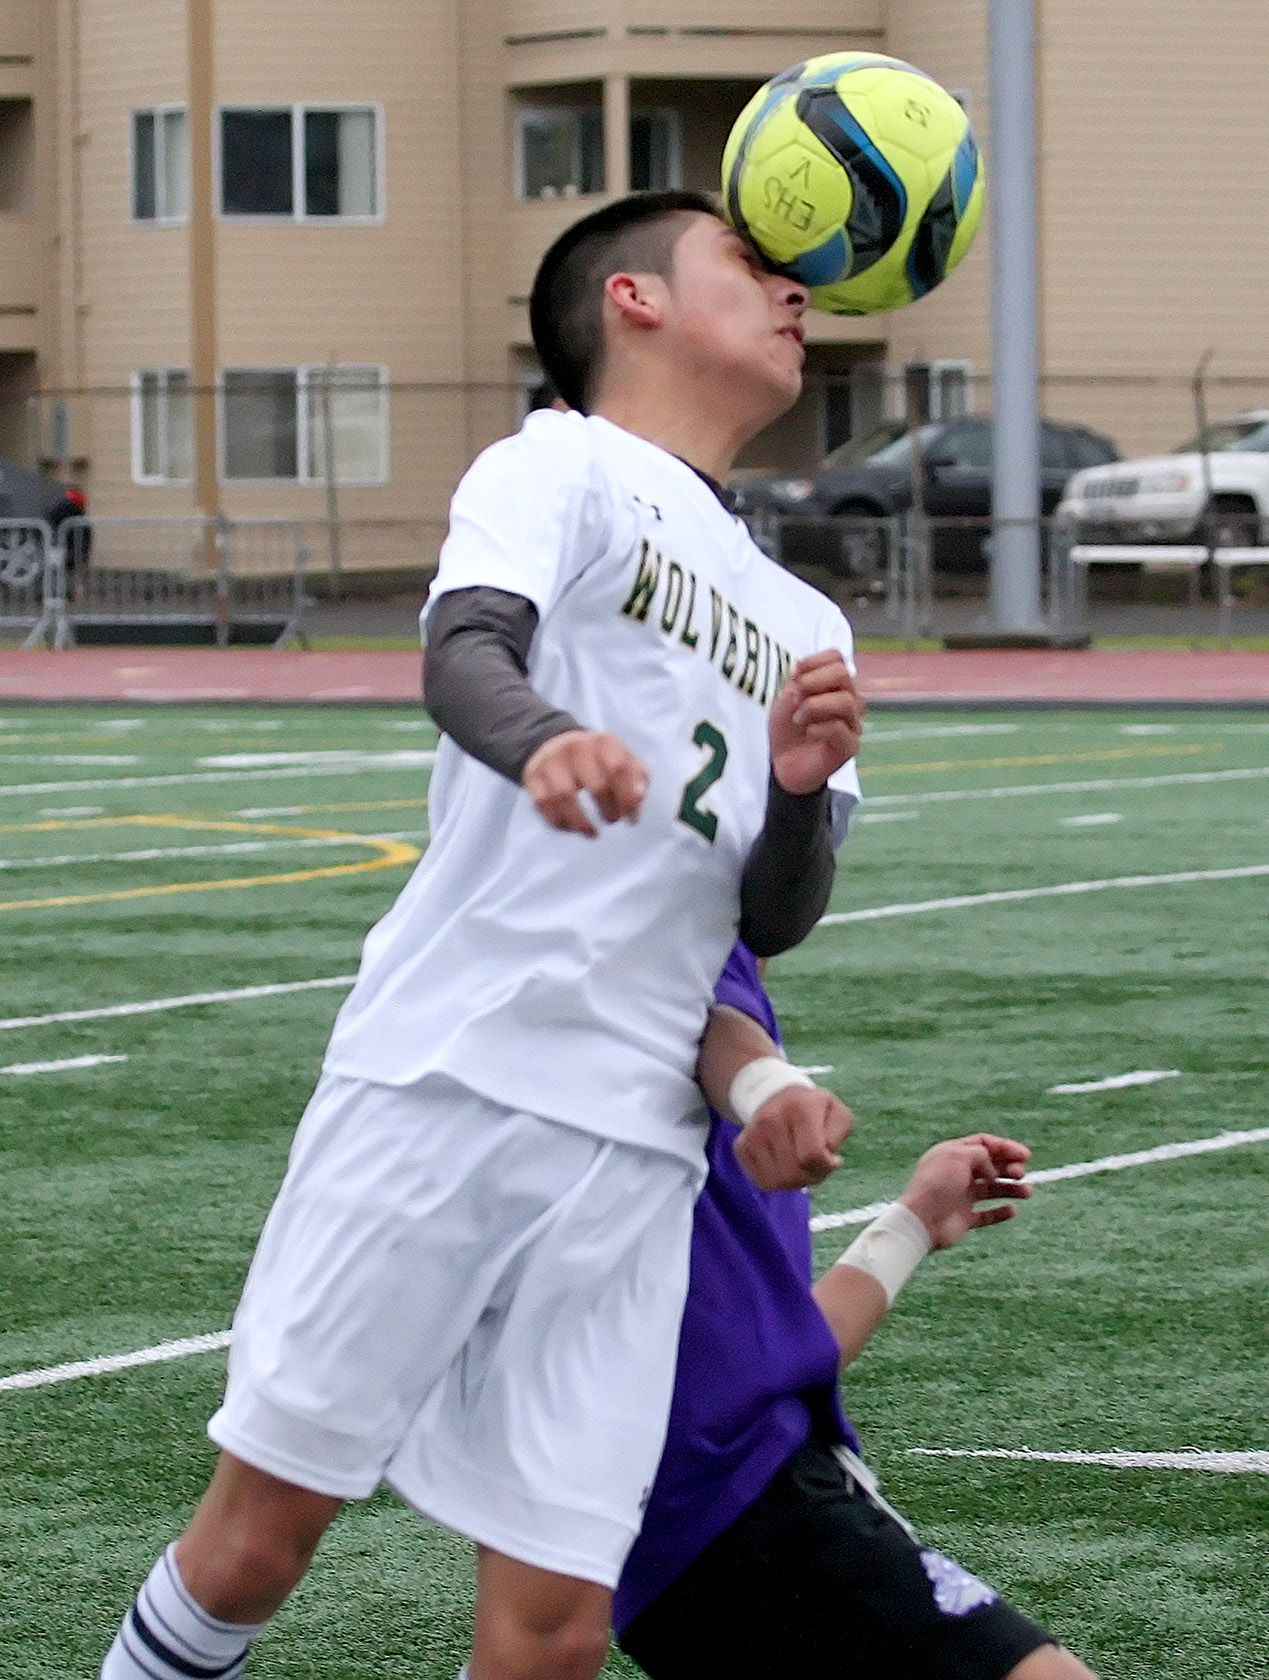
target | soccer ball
[{"x": 859, "y": 176}]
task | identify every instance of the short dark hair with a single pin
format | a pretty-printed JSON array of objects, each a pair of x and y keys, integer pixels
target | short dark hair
[{"x": 566, "y": 308}]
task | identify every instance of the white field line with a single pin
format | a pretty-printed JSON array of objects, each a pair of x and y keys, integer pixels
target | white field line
[
  {"x": 1077, "y": 1169},
  {"x": 69, "y": 758},
  {"x": 405, "y": 761},
  {"x": 1103, "y": 784},
  {"x": 60, "y": 1067},
  {"x": 1064, "y": 889},
  {"x": 280, "y": 772},
  {"x": 235, "y": 847},
  {"x": 158, "y": 1355},
  {"x": 941, "y": 731},
  {"x": 1116, "y": 1082},
  {"x": 319, "y": 757},
  {"x": 218, "y": 1339},
  {"x": 1254, "y": 1463},
  {"x": 152, "y": 1006}
]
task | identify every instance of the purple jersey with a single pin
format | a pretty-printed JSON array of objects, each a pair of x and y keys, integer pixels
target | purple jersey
[{"x": 757, "y": 1364}]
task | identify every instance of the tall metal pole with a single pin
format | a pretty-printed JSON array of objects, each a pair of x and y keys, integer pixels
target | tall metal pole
[
  {"x": 202, "y": 260},
  {"x": 1015, "y": 356}
]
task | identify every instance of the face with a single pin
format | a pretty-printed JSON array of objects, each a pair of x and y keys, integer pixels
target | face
[{"x": 729, "y": 314}]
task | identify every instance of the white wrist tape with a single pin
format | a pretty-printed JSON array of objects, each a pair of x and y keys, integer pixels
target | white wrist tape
[
  {"x": 891, "y": 1249},
  {"x": 760, "y": 1080}
]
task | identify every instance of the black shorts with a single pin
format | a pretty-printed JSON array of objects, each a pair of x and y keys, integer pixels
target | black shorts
[{"x": 818, "y": 1581}]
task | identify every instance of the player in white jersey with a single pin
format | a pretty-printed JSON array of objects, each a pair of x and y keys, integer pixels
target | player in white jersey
[{"x": 470, "y": 1285}]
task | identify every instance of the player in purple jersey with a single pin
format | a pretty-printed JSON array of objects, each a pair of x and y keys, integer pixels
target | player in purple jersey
[{"x": 766, "y": 1549}]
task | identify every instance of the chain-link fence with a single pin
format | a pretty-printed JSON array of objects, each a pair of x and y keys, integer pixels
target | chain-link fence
[
  {"x": 914, "y": 577},
  {"x": 363, "y": 469}
]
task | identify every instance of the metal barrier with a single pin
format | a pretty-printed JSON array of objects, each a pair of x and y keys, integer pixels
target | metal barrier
[
  {"x": 29, "y": 583},
  {"x": 916, "y": 575},
  {"x": 221, "y": 575},
  {"x": 885, "y": 558},
  {"x": 1191, "y": 558}
]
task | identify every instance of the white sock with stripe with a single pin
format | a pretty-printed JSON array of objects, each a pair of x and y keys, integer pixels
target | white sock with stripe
[{"x": 167, "y": 1636}]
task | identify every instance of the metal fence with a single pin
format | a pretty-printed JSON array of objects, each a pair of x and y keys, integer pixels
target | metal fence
[
  {"x": 28, "y": 583},
  {"x": 914, "y": 577},
  {"x": 104, "y": 578}
]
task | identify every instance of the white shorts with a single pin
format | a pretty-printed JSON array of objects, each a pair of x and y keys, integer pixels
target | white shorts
[{"x": 477, "y": 1306}]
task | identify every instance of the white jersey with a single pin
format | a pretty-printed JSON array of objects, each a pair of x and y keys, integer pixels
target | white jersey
[{"x": 565, "y": 976}]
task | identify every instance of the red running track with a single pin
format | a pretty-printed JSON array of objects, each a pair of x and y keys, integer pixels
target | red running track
[{"x": 253, "y": 675}]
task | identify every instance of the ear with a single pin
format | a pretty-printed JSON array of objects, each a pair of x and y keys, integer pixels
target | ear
[{"x": 638, "y": 298}]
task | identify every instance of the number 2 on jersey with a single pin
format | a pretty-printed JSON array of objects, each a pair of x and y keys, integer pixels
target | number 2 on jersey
[{"x": 691, "y": 811}]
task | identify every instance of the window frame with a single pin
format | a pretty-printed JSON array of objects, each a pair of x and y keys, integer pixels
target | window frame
[
  {"x": 157, "y": 113},
  {"x": 935, "y": 370},
  {"x": 164, "y": 374},
  {"x": 523, "y": 112},
  {"x": 306, "y": 375},
  {"x": 299, "y": 210},
  {"x": 674, "y": 124}
]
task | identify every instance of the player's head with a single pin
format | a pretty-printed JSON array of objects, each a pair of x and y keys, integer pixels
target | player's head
[{"x": 663, "y": 272}]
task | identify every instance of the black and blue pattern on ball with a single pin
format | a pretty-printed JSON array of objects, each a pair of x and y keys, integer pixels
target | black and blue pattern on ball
[
  {"x": 935, "y": 232},
  {"x": 777, "y": 91},
  {"x": 879, "y": 198}
]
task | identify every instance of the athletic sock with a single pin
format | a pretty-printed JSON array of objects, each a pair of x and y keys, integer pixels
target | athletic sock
[{"x": 167, "y": 1636}]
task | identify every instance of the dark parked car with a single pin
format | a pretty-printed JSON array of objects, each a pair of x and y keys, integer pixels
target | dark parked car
[
  {"x": 30, "y": 495},
  {"x": 872, "y": 477}
]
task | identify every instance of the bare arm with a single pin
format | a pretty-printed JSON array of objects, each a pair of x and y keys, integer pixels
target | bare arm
[
  {"x": 790, "y": 1139},
  {"x": 942, "y": 1196}
]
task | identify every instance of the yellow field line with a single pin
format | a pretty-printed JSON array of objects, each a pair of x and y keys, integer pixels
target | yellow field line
[
  {"x": 1168, "y": 749},
  {"x": 392, "y": 853}
]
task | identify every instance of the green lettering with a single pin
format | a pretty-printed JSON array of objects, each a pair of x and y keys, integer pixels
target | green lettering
[
  {"x": 645, "y": 584},
  {"x": 673, "y": 596},
  {"x": 733, "y": 641},
  {"x": 749, "y": 670},
  {"x": 690, "y": 636},
  {"x": 716, "y": 612}
]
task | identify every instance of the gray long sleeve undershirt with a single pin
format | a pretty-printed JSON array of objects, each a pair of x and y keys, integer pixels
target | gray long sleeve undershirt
[{"x": 475, "y": 684}]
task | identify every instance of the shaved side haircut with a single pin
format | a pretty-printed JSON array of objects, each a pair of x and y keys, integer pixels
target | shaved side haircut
[{"x": 636, "y": 235}]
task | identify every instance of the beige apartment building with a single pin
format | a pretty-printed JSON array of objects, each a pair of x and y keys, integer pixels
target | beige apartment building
[{"x": 327, "y": 217}]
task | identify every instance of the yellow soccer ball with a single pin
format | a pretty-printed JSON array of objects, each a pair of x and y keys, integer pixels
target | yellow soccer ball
[{"x": 858, "y": 175}]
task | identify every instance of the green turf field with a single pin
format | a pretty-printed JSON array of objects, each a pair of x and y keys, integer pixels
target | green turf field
[{"x": 154, "y": 855}]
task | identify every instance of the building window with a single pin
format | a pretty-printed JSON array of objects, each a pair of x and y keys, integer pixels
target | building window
[
  {"x": 936, "y": 390},
  {"x": 559, "y": 150},
  {"x": 852, "y": 403},
  {"x": 160, "y": 164},
  {"x": 656, "y": 163},
  {"x": 162, "y": 426},
  {"x": 303, "y": 425},
  {"x": 308, "y": 162}
]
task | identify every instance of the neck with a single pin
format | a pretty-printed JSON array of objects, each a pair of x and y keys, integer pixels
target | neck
[{"x": 707, "y": 433}]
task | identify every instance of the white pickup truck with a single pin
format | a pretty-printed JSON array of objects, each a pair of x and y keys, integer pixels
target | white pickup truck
[{"x": 1177, "y": 498}]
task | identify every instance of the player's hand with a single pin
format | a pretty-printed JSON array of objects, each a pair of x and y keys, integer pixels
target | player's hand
[
  {"x": 951, "y": 1179},
  {"x": 584, "y": 760},
  {"x": 792, "y": 1141},
  {"x": 816, "y": 722}
]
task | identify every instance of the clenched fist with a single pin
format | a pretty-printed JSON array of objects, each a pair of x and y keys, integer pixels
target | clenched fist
[
  {"x": 584, "y": 760},
  {"x": 792, "y": 1140},
  {"x": 816, "y": 722}
]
